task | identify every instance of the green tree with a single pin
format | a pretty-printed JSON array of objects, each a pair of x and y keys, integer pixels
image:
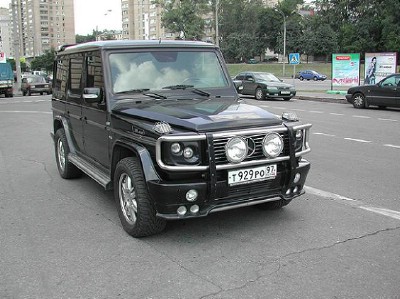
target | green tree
[
  {"x": 86, "y": 38},
  {"x": 44, "y": 62},
  {"x": 183, "y": 17}
]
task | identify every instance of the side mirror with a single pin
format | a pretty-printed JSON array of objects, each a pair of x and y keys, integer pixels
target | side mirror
[
  {"x": 238, "y": 85},
  {"x": 92, "y": 95}
]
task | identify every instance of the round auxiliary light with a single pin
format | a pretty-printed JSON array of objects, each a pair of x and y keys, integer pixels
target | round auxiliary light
[
  {"x": 272, "y": 145},
  {"x": 194, "y": 209},
  {"x": 299, "y": 134},
  {"x": 191, "y": 195},
  {"x": 175, "y": 148},
  {"x": 236, "y": 149},
  {"x": 188, "y": 152},
  {"x": 181, "y": 211},
  {"x": 296, "y": 178}
]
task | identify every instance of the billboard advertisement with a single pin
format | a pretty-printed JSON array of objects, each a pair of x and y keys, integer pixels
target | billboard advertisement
[
  {"x": 346, "y": 70},
  {"x": 379, "y": 66}
]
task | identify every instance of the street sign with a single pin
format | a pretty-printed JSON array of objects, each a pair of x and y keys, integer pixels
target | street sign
[{"x": 294, "y": 58}]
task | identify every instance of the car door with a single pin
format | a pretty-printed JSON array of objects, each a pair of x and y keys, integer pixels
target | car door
[
  {"x": 249, "y": 84},
  {"x": 73, "y": 103},
  {"x": 386, "y": 92},
  {"x": 94, "y": 114}
]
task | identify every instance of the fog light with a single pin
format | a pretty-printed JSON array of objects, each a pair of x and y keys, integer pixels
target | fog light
[
  {"x": 191, "y": 195},
  {"x": 181, "y": 211},
  {"x": 288, "y": 192},
  {"x": 296, "y": 178},
  {"x": 295, "y": 189},
  {"x": 194, "y": 209},
  {"x": 188, "y": 152}
]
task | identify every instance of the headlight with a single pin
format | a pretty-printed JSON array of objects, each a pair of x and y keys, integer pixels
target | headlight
[
  {"x": 181, "y": 153},
  {"x": 272, "y": 89},
  {"x": 272, "y": 145},
  {"x": 236, "y": 149}
]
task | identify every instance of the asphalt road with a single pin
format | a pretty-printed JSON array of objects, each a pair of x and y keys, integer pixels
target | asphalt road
[{"x": 62, "y": 238}]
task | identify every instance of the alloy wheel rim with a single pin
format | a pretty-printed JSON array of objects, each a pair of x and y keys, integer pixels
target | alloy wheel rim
[
  {"x": 61, "y": 154},
  {"x": 127, "y": 198},
  {"x": 358, "y": 100},
  {"x": 259, "y": 94}
]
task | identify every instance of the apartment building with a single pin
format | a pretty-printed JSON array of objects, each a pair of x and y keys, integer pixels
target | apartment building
[
  {"x": 142, "y": 20},
  {"x": 43, "y": 24},
  {"x": 5, "y": 41}
]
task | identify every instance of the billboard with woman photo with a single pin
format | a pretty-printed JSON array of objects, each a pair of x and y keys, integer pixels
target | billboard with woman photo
[{"x": 379, "y": 66}]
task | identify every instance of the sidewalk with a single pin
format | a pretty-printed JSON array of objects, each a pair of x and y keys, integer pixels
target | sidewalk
[{"x": 321, "y": 96}]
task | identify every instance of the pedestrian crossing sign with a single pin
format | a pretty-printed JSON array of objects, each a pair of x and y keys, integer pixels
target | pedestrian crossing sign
[{"x": 294, "y": 58}]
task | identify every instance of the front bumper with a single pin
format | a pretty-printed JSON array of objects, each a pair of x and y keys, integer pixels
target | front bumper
[
  {"x": 349, "y": 98},
  {"x": 278, "y": 94},
  {"x": 168, "y": 197}
]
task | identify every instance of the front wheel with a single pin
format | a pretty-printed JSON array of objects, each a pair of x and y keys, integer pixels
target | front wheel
[
  {"x": 301, "y": 78},
  {"x": 136, "y": 212},
  {"x": 259, "y": 94},
  {"x": 66, "y": 169},
  {"x": 358, "y": 100}
]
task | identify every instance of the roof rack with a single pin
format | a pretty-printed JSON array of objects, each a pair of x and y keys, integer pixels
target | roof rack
[{"x": 63, "y": 47}]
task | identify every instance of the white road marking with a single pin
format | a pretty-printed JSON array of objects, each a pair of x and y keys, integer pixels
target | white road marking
[
  {"x": 35, "y": 112},
  {"x": 323, "y": 134},
  {"x": 301, "y": 110},
  {"x": 314, "y": 111},
  {"x": 333, "y": 196},
  {"x": 358, "y": 140},
  {"x": 388, "y": 119},
  {"x": 336, "y": 114},
  {"x": 382, "y": 211},
  {"x": 391, "y": 145},
  {"x": 360, "y": 116}
]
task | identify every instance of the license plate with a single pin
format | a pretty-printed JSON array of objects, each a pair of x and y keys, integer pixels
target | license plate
[
  {"x": 254, "y": 174},
  {"x": 285, "y": 92}
]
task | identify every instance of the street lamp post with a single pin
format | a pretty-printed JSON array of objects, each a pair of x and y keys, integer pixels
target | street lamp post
[{"x": 284, "y": 41}]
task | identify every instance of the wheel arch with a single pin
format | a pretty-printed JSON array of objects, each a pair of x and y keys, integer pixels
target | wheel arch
[{"x": 125, "y": 149}]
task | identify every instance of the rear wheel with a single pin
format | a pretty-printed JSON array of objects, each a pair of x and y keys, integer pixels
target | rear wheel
[
  {"x": 136, "y": 212},
  {"x": 358, "y": 100},
  {"x": 259, "y": 94}
]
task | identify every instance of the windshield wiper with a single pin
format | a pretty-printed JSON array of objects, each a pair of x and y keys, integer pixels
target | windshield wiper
[
  {"x": 140, "y": 90},
  {"x": 184, "y": 86},
  {"x": 155, "y": 95},
  {"x": 178, "y": 86}
]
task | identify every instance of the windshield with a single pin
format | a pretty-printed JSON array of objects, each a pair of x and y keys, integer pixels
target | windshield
[
  {"x": 267, "y": 77},
  {"x": 172, "y": 69}
]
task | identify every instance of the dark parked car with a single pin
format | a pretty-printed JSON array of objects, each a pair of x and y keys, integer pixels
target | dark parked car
[
  {"x": 310, "y": 75},
  {"x": 35, "y": 84},
  {"x": 384, "y": 94},
  {"x": 263, "y": 85},
  {"x": 161, "y": 123}
]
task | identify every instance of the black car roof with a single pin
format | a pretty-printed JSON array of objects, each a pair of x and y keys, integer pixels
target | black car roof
[{"x": 121, "y": 44}]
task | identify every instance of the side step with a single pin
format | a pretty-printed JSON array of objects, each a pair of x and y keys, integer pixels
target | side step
[{"x": 94, "y": 172}]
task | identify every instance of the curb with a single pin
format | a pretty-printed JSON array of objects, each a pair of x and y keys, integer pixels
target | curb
[{"x": 321, "y": 99}]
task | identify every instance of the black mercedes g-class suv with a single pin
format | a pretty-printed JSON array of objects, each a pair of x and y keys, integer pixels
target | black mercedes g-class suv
[{"x": 161, "y": 123}]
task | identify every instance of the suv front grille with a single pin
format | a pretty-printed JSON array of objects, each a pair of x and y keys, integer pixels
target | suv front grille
[{"x": 219, "y": 147}]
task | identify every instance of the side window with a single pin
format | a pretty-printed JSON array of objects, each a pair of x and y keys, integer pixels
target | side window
[
  {"x": 75, "y": 78},
  {"x": 94, "y": 75},
  {"x": 61, "y": 77}
]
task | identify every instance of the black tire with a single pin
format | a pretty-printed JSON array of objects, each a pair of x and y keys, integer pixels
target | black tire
[
  {"x": 66, "y": 169},
  {"x": 259, "y": 94},
  {"x": 301, "y": 78},
  {"x": 287, "y": 98},
  {"x": 41, "y": 93},
  {"x": 315, "y": 78},
  {"x": 358, "y": 100},
  {"x": 273, "y": 205},
  {"x": 382, "y": 107},
  {"x": 24, "y": 93},
  {"x": 136, "y": 212}
]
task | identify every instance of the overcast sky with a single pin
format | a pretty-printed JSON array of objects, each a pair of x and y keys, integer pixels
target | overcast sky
[{"x": 92, "y": 14}]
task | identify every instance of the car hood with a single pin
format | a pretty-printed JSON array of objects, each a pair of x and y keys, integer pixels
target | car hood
[
  {"x": 274, "y": 83},
  {"x": 197, "y": 115}
]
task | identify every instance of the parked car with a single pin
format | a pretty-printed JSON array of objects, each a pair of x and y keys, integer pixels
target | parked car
[
  {"x": 263, "y": 86},
  {"x": 170, "y": 134},
  {"x": 34, "y": 84},
  {"x": 384, "y": 94},
  {"x": 310, "y": 75}
]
